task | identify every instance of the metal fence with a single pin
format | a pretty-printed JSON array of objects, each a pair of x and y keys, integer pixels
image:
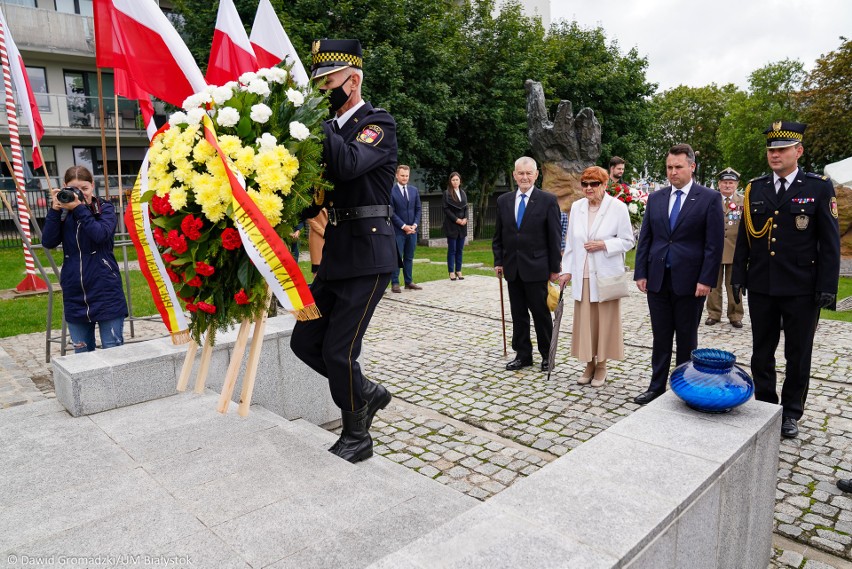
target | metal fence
[{"x": 486, "y": 231}]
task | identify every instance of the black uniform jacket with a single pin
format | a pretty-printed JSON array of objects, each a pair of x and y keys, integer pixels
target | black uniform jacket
[
  {"x": 360, "y": 162},
  {"x": 800, "y": 253}
]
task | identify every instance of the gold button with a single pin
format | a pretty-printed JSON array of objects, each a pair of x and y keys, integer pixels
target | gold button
[
  {"x": 773, "y": 240},
  {"x": 374, "y": 230},
  {"x": 803, "y": 209},
  {"x": 330, "y": 204},
  {"x": 776, "y": 212},
  {"x": 772, "y": 253},
  {"x": 774, "y": 226}
]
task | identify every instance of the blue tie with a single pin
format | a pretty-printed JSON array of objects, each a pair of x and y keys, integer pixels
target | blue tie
[
  {"x": 521, "y": 208},
  {"x": 675, "y": 210}
]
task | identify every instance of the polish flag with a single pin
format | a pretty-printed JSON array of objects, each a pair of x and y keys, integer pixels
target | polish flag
[
  {"x": 127, "y": 88},
  {"x": 271, "y": 44},
  {"x": 22, "y": 89},
  {"x": 231, "y": 54},
  {"x": 135, "y": 35}
]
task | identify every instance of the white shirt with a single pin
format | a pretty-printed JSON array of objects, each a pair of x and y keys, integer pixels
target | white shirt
[
  {"x": 341, "y": 120},
  {"x": 518, "y": 194},
  {"x": 673, "y": 196},
  {"x": 789, "y": 180}
]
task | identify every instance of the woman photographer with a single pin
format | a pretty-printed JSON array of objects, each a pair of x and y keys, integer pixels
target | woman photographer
[{"x": 91, "y": 280}]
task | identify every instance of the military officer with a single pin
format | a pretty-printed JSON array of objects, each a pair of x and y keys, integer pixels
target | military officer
[
  {"x": 788, "y": 258},
  {"x": 732, "y": 207},
  {"x": 360, "y": 154}
]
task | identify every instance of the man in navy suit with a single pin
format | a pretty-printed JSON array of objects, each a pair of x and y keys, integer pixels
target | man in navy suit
[
  {"x": 677, "y": 263},
  {"x": 526, "y": 250},
  {"x": 405, "y": 200}
]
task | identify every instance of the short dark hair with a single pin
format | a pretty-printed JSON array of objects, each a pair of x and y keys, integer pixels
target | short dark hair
[
  {"x": 615, "y": 161},
  {"x": 684, "y": 149}
]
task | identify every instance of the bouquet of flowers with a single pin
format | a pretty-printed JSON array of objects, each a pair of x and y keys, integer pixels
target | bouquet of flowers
[
  {"x": 634, "y": 199},
  {"x": 270, "y": 132}
]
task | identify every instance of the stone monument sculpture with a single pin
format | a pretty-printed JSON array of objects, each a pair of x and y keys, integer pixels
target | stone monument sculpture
[{"x": 564, "y": 147}]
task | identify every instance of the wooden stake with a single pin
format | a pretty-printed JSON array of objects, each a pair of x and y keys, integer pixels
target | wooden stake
[
  {"x": 204, "y": 366},
  {"x": 183, "y": 380},
  {"x": 234, "y": 367},
  {"x": 251, "y": 365}
]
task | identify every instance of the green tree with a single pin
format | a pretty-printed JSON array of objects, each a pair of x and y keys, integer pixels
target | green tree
[
  {"x": 773, "y": 95},
  {"x": 827, "y": 99}
]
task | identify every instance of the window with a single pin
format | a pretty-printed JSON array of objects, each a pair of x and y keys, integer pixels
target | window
[
  {"x": 34, "y": 179},
  {"x": 81, "y": 7},
  {"x": 92, "y": 158},
  {"x": 38, "y": 81},
  {"x": 27, "y": 3}
]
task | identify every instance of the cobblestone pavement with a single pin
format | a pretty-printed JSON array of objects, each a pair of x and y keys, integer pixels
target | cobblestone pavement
[{"x": 459, "y": 417}]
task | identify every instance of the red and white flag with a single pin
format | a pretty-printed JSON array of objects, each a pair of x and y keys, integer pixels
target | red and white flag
[
  {"x": 271, "y": 43},
  {"x": 231, "y": 54},
  {"x": 135, "y": 35},
  {"x": 25, "y": 96},
  {"x": 127, "y": 88}
]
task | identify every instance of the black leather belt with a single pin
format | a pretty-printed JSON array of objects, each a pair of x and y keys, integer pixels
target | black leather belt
[{"x": 337, "y": 214}]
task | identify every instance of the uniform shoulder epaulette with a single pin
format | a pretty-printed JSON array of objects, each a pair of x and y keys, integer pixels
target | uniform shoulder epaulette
[
  {"x": 759, "y": 178},
  {"x": 818, "y": 176}
]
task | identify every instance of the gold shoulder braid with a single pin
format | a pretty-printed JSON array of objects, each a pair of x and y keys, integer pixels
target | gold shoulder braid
[{"x": 766, "y": 230}]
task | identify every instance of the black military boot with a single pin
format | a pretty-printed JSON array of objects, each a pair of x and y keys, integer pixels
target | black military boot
[
  {"x": 355, "y": 443},
  {"x": 377, "y": 397}
]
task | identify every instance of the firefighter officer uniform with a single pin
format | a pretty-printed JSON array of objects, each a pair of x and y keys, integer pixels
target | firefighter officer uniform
[
  {"x": 360, "y": 155},
  {"x": 788, "y": 259},
  {"x": 732, "y": 207}
]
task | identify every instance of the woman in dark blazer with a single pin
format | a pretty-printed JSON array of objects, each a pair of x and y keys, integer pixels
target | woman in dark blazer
[{"x": 455, "y": 224}]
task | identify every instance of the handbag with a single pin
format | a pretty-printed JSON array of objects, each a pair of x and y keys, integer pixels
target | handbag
[{"x": 612, "y": 287}]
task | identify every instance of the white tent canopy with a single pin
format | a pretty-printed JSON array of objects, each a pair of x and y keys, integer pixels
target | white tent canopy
[{"x": 840, "y": 172}]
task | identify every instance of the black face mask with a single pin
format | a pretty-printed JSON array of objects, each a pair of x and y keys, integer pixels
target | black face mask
[{"x": 337, "y": 96}]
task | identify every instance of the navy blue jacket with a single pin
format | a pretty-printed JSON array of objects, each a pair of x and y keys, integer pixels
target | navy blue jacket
[
  {"x": 90, "y": 277},
  {"x": 405, "y": 212}
]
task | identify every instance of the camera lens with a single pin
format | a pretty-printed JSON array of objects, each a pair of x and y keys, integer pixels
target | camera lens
[{"x": 67, "y": 195}]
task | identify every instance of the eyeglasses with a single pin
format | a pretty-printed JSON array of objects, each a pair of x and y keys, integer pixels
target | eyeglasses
[{"x": 590, "y": 184}]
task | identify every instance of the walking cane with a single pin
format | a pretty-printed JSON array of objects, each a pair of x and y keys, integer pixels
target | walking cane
[{"x": 502, "y": 313}]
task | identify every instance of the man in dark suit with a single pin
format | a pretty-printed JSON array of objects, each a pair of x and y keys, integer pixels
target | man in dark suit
[
  {"x": 526, "y": 250},
  {"x": 360, "y": 253},
  {"x": 677, "y": 263},
  {"x": 788, "y": 257},
  {"x": 405, "y": 200}
]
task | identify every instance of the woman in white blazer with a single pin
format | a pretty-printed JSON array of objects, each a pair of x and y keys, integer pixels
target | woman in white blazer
[{"x": 599, "y": 234}]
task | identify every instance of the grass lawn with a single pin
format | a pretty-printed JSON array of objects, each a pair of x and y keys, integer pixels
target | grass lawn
[{"x": 28, "y": 314}]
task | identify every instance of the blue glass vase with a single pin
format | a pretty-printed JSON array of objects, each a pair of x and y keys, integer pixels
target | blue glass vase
[{"x": 711, "y": 382}]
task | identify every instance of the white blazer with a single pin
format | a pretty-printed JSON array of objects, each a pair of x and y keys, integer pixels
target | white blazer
[{"x": 612, "y": 226}]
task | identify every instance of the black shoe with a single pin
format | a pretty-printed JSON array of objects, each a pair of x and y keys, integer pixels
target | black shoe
[
  {"x": 789, "y": 428},
  {"x": 545, "y": 365},
  {"x": 645, "y": 398},
  {"x": 737, "y": 324},
  {"x": 355, "y": 443},
  {"x": 395, "y": 288},
  {"x": 845, "y": 485},
  {"x": 378, "y": 398},
  {"x": 517, "y": 364},
  {"x": 710, "y": 322}
]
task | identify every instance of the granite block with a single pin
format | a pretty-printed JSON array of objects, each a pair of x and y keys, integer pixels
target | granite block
[
  {"x": 734, "y": 508},
  {"x": 661, "y": 552},
  {"x": 762, "y": 494},
  {"x": 204, "y": 549},
  {"x": 698, "y": 531},
  {"x": 752, "y": 415}
]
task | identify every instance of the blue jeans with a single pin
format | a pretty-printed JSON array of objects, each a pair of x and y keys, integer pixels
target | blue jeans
[
  {"x": 83, "y": 334},
  {"x": 454, "y": 254},
  {"x": 405, "y": 245}
]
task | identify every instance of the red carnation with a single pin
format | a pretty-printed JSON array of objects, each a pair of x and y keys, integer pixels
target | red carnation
[
  {"x": 204, "y": 269},
  {"x": 191, "y": 226},
  {"x": 194, "y": 281},
  {"x": 177, "y": 242},
  {"x": 191, "y": 307},
  {"x": 160, "y": 237},
  {"x": 231, "y": 239},
  {"x": 161, "y": 205},
  {"x": 208, "y": 308},
  {"x": 173, "y": 276},
  {"x": 241, "y": 297},
  {"x": 169, "y": 258}
]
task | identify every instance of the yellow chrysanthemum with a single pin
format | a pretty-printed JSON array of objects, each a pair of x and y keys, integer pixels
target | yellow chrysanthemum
[
  {"x": 214, "y": 212},
  {"x": 163, "y": 185},
  {"x": 244, "y": 160},
  {"x": 290, "y": 165},
  {"x": 177, "y": 197},
  {"x": 269, "y": 204},
  {"x": 230, "y": 144},
  {"x": 203, "y": 151}
]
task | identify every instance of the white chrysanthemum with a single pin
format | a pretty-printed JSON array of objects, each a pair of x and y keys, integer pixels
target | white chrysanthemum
[
  {"x": 260, "y": 113},
  {"x": 248, "y": 77},
  {"x": 178, "y": 118},
  {"x": 274, "y": 74},
  {"x": 267, "y": 141},
  {"x": 633, "y": 208},
  {"x": 299, "y": 131},
  {"x": 232, "y": 85},
  {"x": 197, "y": 100},
  {"x": 228, "y": 116},
  {"x": 258, "y": 87},
  {"x": 222, "y": 94},
  {"x": 295, "y": 97},
  {"x": 195, "y": 115}
]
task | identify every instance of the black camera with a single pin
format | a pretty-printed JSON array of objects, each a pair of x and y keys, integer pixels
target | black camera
[{"x": 67, "y": 195}]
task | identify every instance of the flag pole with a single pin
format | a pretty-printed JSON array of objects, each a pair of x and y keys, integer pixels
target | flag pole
[{"x": 103, "y": 133}]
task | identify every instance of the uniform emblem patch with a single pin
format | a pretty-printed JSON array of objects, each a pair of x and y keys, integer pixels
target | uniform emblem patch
[
  {"x": 833, "y": 206},
  {"x": 802, "y": 222},
  {"x": 371, "y": 134}
]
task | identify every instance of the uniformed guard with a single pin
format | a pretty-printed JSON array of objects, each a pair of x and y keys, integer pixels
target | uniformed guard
[
  {"x": 732, "y": 208},
  {"x": 788, "y": 258},
  {"x": 360, "y": 155}
]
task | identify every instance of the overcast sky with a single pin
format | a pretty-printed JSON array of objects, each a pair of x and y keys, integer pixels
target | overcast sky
[{"x": 721, "y": 41}]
